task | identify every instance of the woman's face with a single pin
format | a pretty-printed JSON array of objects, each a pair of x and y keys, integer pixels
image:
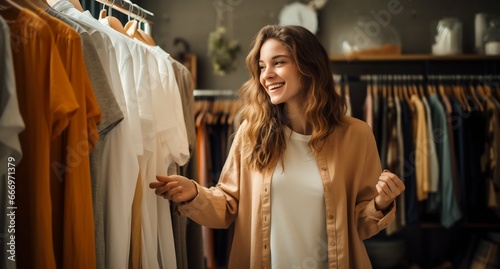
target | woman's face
[{"x": 279, "y": 74}]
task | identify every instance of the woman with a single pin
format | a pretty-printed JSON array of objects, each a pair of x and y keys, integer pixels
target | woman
[{"x": 302, "y": 182}]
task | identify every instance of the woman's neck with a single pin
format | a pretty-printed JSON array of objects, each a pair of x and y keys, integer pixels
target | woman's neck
[
  {"x": 297, "y": 119},
  {"x": 299, "y": 124}
]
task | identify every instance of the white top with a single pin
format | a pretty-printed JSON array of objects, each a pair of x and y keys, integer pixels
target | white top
[
  {"x": 298, "y": 222},
  {"x": 120, "y": 165},
  {"x": 174, "y": 136}
]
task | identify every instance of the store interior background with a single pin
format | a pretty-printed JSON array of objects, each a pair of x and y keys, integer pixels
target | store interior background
[{"x": 193, "y": 20}]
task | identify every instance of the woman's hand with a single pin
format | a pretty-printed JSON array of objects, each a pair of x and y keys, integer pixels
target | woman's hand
[
  {"x": 389, "y": 187},
  {"x": 176, "y": 188}
]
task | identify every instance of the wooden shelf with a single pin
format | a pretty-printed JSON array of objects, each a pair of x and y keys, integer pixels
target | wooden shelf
[{"x": 413, "y": 57}]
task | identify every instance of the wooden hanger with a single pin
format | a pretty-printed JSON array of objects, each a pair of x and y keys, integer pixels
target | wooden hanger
[
  {"x": 202, "y": 113},
  {"x": 147, "y": 37},
  {"x": 112, "y": 21},
  {"x": 390, "y": 91},
  {"x": 132, "y": 29},
  {"x": 375, "y": 88},
  {"x": 474, "y": 98},
  {"x": 406, "y": 93},
  {"x": 414, "y": 89},
  {"x": 398, "y": 91},
  {"x": 441, "y": 90},
  {"x": 421, "y": 90},
  {"x": 487, "y": 90},
  {"x": 459, "y": 93},
  {"x": 384, "y": 87}
]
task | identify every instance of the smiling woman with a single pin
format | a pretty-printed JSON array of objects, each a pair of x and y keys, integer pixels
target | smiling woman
[
  {"x": 281, "y": 77},
  {"x": 293, "y": 167}
]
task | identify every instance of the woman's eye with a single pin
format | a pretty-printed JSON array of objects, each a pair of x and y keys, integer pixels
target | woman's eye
[{"x": 261, "y": 67}]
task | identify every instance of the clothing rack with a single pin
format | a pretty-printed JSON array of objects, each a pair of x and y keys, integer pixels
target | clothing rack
[
  {"x": 414, "y": 77},
  {"x": 130, "y": 9},
  {"x": 215, "y": 93}
]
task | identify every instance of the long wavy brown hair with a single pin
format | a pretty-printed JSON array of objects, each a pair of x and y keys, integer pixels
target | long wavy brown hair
[{"x": 264, "y": 133}]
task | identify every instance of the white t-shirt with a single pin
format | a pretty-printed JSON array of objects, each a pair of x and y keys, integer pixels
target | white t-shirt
[
  {"x": 174, "y": 137},
  {"x": 120, "y": 165},
  {"x": 298, "y": 223}
]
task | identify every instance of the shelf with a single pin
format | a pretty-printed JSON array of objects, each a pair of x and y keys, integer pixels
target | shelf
[{"x": 413, "y": 57}]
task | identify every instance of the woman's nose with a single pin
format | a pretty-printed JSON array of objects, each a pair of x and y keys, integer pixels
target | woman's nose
[{"x": 268, "y": 73}]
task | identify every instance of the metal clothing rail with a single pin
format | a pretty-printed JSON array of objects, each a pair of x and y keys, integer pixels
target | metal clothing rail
[
  {"x": 130, "y": 9},
  {"x": 414, "y": 77},
  {"x": 215, "y": 93}
]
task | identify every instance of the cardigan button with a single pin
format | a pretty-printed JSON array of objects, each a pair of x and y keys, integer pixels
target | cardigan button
[{"x": 330, "y": 216}]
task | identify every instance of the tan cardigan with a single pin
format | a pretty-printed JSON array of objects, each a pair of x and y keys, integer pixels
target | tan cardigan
[{"x": 349, "y": 166}]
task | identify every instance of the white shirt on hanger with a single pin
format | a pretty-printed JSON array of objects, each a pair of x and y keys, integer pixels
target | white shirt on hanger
[
  {"x": 120, "y": 165},
  {"x": 176, "y": 140}
]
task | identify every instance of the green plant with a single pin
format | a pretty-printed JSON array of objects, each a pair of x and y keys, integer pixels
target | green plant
[{"x": 222, "y": 51}]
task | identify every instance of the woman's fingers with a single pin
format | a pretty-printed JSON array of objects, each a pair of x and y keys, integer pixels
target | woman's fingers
[
  {"x": 162, "y": 181},
  {"x": 156, "y": 184},
  {"x": 392, "y": 181},
  {"x": 166, "y": 179},
  {"x": 176, "y": 188},
  {"x": 171, "y": 194}
]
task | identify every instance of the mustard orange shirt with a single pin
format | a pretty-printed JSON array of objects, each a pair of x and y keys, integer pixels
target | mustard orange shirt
[
  {"x": 47, "y": 104},
  {"x": 73, "y": 184}
]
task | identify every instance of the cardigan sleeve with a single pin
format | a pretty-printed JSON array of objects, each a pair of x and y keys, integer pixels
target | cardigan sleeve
[
  {"x": 217, "y": 207},
  {"x": 370, "y": 221}
]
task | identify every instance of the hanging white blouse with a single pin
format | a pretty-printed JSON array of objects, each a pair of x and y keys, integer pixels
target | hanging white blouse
[
  {"x": 176, "y": 139},
  {"x": 120, "y": 164}
]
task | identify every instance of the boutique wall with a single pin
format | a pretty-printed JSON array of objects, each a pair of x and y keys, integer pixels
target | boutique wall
[{"x": 193, "y": 20}]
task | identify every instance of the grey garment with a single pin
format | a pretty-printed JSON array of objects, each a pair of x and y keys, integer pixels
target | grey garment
[
  {"x": 6, "y": 69},
  {"x": 106, "y": 54},
  {"x": 110, "y": 110},
  {"x": 187, "y": 234},
  {"x": 4, "y": 65},
  {"x": 111, "y": 117},
  {"x": 186, "y": 88}
]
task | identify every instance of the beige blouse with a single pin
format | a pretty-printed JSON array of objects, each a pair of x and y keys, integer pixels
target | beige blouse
[{"x": 349, "y": 166}]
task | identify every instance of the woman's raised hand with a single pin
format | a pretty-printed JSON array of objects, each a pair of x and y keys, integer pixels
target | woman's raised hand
[
  {"x": 176, "y": 188},
  {"x": 389, "y": 187}
]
